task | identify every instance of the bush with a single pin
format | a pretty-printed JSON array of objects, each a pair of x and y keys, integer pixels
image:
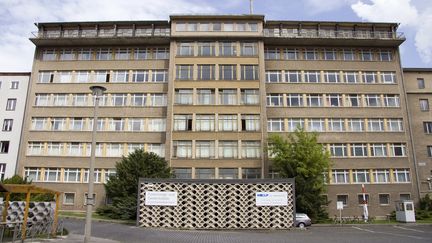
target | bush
[{"x": 426, "y": 203}]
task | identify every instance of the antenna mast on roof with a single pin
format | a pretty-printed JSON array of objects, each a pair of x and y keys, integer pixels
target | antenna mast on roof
[{"x": 250, "y": 6}]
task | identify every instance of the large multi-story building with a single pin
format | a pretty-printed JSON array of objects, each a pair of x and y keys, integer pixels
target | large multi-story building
[
  {"x": 13, "y": 94},
  {"x": 206, "y": 91}
]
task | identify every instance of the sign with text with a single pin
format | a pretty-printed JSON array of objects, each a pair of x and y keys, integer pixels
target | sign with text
[
  {"x": 271, "y": 198},
  {"x": 339, "y": 205},
  {"x": 154, "y": 198}
]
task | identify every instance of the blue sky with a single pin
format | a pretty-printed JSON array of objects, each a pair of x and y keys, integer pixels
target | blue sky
[{"x": 17, "y": 18}]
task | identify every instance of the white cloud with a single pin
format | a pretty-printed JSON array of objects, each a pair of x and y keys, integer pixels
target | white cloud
[
  {"x": 17, "y": 18},
  {"x": 319, "y": 6},
  {"x": 404, "y": 12}
]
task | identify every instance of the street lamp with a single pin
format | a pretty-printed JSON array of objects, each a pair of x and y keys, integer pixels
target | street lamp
[{"x": 97, "y": 91}]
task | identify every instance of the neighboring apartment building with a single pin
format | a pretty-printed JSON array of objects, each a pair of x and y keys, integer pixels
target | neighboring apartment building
[
  {"x": 205, "y": 92},
  {"x": 13, "y": 94},
  {"x": 418, "y": 86}
]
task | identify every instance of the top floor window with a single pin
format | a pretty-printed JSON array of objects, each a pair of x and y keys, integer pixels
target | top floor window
[{"x": 420, "y": 83}]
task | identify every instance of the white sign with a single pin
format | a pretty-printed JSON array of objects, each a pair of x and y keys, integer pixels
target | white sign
[
  {"x": 153, "y": 198},
  {"x": 339, "y": 205},
  {"x": 271, "y": 198}
]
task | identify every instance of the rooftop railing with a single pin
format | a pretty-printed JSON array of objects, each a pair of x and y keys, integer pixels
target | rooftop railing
[
  {"x": 103, "y": 33},
  {"x": 341, "y": 34}
]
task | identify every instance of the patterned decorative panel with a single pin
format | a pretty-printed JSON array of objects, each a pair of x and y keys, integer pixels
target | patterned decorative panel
[{"x": 216, "y": 204}]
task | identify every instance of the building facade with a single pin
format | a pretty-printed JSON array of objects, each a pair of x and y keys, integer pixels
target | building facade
[
  {"x": 206, "y": 91},
  {"x": 13, "y": 95}
]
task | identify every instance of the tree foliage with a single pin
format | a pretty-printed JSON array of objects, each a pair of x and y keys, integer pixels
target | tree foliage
[
  {"x": 300, "y": 156},
  {"x": 123, "y": 186}
]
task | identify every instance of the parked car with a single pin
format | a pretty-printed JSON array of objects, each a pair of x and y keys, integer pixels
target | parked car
[{"x": 302, "y": 220}]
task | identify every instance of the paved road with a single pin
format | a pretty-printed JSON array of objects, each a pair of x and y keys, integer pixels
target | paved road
[{"x": 332, "y": 234}]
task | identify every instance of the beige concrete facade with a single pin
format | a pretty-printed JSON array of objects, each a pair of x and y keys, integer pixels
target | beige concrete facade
[{"x": 205, "y": 92}]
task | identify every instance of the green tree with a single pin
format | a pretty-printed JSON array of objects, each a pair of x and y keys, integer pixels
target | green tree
[
  {"x": 123, "y": 186},
  {"x": 300, "y": 156}
]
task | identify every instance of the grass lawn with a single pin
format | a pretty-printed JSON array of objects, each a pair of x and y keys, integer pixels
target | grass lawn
[{"x": 94, "y": 216}]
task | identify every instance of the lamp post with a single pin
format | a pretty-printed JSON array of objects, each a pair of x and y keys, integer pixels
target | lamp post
[{"x": 97, "y": 91}]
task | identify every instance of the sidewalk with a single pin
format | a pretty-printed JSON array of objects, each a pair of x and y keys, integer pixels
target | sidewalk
[{"x": 74, "y": 238}]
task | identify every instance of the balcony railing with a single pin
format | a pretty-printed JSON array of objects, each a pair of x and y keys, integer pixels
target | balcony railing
[
  {"x": 103, "y": 33},
  {"x": 331, "y": 34}
]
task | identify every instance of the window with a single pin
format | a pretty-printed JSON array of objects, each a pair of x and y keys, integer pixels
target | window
[
  {"x": 356, "y": 125},
  {"x": 343, "y": 199},
  {"x": 122, "y": 54},
  {"x": 336, "y": 125},
  {"x": 227, "y": 122},
  {"x": 135, "y": 124},
  {"x": 183, "y": 96},
  {"x": 4, "y": 147},
  {"x": 381, "y": 176},
  {"x": 290, "y": 54},
  {"x": 366, "y": 55},
  {"x": 353, "y": 100},
  {"x": 251, "y": 149},
  {"x": 274, "y": 100},
  {"x": 103, "y": 54},
  {"x": 206, "y": 49},
  {"x": 204, "y": 149},
  {"x": 348, "y": 55},
  {"x": 378, "y": 150},
  {"x": 83, "y": 77},
  {"x": 358, "y": 150},
  {"x": 391, "y": 100},
  {"x": 225, "y": 173},
  {"x": 184, "y": 72},
  {"x": 329, "y": 55},
  {"x": 49, "y": 55},
  {"x": 250, "y": 123},
  {"x": 376, "y": 125},
  {"x": 204, "y": 173},
  {"x": 395, "y": 125},
  {"x": 161, "y": 53},
  {"x": 158, "y": 100},
  {"x": 85, "y": 54},
  {"x": 251, "y": 173},
  {"x": 310, "y": 54},
  {"x": 249, "y": 96},
  {"x": 338, "y": 150},
  {"x": 275, "y": 125},
  {"x": 114, "y": 150},
  {"x": 182, "y": 173},
  {"x": 120, "y": 76},
  {"x": 205, "y": 97},
  {"x": 185, "y": 49},
  {"x": 204, "y": 27},
  {"x": 314, "y": 100},
  {"x": 35, "y": 148},
  {"x": 293, "y": 76},
  {"x": 68, "y": 198},
  {"x": 424, "y": 105},
  {"x": 141, "y": 54},
  {"x": 331, "y": 77},
  {"x": 46, "y": 77},
  {"x": 361, "y": 176},
  {"x": 404, "y": 196},
  {"x": 388, "y": 77},
  {"x": 205, "y": 123},
  {"x": 101, "y": 77},
  {"x": 362, "y": 200},
  {"x": 72, "y": 175},
  {"x": 271, "y": 54},
  {"x": 11, "y": 104},
  {"x": 249, "y": 49},
  {"x": 427, "y": 126},
  {"x": 316, "y": 125},
  {"x": 39, "y": 123},
  {"x": 294, "y": 123},
  {"x": 227, "y": 72},
  {"x": 52, "y": 174},
  {"x": 429, "y": 150},
  {"x": 182, "y": 149},
  {"x": 373, "y": 100},
  {"x": 227, "y": 49},
  {"x": 108, "y": 173},
  {"x": 385, "y": 56},
  {"x": 351, "y": 77},
  {"x": 295, "y": 100},
  {"x": 273, "y": 76},
  {"x": 421, "y": 83},
  {"x": 156, "y": 148},
  {"x": 58, "y": 124},
  {"x": 206, "y": 72},
  {"x": 118, "y": 99},
  {"x": 116, "y": 124},
  {"x": 228, "y": 96},
  {"x": 369, "y": 77},
  {"x": 75, "y": 149},
  {"x": 159, "y": 76},
  {"x": 397, "y": 150},
  {"x": 384, "y": 199},
  {"x": 33, "y": 174},
  {"x": 7, "y": 125},
  {"x": 55, "y": 148},
  {"x": 312, "y": 77},
  {"x": 182, "y": 122},
  {"x": 340, "y": 176},
  {"x": 228, "y": 149},
  {"x": 334, "y": 100},
  {"x": 14, "y": 85},
  {"x": 77, "y": 124},
  {"x": 249, "y": 72},
  {"x": 401, "y": 175},
  {"x": 140, "y": 76}
]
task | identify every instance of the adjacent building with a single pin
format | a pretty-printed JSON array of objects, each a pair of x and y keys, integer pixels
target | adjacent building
[
  {"x": 205, "y": 91},
  {"x": 13, "y": 94}
]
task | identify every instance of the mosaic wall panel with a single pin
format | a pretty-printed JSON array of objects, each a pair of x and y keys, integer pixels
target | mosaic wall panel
[
  {"x": 216, "y": 204},
  {"x": 38, "y": 212}
]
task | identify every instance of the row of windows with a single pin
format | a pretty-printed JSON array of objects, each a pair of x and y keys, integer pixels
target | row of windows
[
  {"x": 367, "y": 150},
  {"x": 216, "y": 122},
  {"x": 208, "y": 149},
  {"x": 217, "y": 173},
  {"x": 91, "y": 31},
  {"x": 83, "y": 149},
  {"x": 71, "y": 175},
  {"x": 88, "y": 54},
  {"x": 104, "y": 76},
  {"x": 350, "y": 77},
  {"x": 135, "y": 124},
  {"x": 383, "y": 199},
  {"x": 328, "y": 54},
  {"x": 345, "y": 176},
  {"x": 217, "y": 26},
  {"x": 216, "y": 96},
  {"x": 333, "y": 100},
  {"x": 122, "y": 99},
  {"x": 209, "y": 71},
  {"x": 336, "y": 124},
  {"x": 13, "y": 84},
  {"x": 226, "y": 49}
]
